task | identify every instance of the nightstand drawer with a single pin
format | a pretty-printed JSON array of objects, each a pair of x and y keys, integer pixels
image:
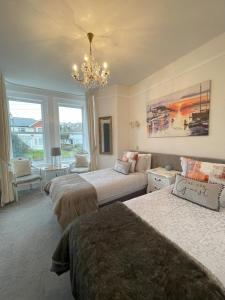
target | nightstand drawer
[
  {"x": 160, "y": 178},
  {"x": 157, "y": 182}
]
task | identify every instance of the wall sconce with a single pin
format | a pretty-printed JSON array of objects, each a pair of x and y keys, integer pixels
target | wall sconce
[{"x": 134, "y": 124}]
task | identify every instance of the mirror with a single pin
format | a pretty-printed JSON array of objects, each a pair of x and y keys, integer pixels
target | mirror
[{"x": 105, "y": 135}]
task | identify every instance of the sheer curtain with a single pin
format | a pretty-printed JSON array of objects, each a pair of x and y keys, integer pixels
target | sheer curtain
[
  {"x": 91, "y": 118},
  {"x": 5, "y": 178}
]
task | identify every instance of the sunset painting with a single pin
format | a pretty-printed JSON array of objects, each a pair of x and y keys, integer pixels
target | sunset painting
[{"x": 184, "y": 113}]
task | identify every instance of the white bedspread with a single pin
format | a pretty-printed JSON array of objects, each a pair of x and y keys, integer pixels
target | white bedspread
[
  {"x": 197, "y": 230},
  {"x": 111, "y": 185}
]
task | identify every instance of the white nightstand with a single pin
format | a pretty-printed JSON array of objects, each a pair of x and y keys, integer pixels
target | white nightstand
[{"x": 159, "y": 178}]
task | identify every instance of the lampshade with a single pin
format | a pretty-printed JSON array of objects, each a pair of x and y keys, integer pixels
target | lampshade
[{"x": 56, "y": 151}]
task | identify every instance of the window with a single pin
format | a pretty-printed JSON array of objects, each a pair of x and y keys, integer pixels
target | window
[
  {"x": 71, "y": 131},
  {"x": 25, "y": 118}
]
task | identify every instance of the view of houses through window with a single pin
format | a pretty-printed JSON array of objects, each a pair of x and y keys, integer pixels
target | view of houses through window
[
  {"x": 71, "y": 131},
  {"x": 26, "y": 130}
]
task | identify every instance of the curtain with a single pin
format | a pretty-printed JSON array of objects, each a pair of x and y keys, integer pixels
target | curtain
[
  {"x": 91, "y": 120},
  {"x": 5, "y": 176}
]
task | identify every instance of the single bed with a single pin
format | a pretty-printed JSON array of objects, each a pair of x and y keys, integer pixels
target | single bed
[{"x": 74, "y": 195}]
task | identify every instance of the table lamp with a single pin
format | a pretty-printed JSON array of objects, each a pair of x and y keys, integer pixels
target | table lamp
[{"x": 56, "y": 156}]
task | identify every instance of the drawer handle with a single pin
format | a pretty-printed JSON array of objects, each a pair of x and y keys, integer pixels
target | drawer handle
[{"x": 157, "y": 179}]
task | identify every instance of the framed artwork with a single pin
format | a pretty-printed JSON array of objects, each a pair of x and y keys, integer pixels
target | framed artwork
[{"x": 184, "y": 113}]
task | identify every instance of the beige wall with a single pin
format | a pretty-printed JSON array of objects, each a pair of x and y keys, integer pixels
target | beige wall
[
  {"x": 126, "y": 104},
  {"x": 207, "y": 62}
]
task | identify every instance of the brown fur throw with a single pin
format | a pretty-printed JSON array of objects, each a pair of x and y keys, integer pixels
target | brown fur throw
[{"x": 114, "y": 255}]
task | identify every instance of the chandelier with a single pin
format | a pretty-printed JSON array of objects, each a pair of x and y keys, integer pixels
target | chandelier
[{"x": 93, "y": 75}]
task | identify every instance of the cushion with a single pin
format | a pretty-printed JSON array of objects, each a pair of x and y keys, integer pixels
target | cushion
[
  {"x": 201, "y": 193},
  {"x": 122, "y": 167},
  {"x": 131, "y": 157},
  {"x": 143, "y": 162},
  {"x": 217, "y": 176},
  {"x": 81, "y": 161},
  {"x": 28, "y": 178},
  {"x": 21, "y": 167},
  {"x": 79, "y": 170},
  {"x": 200, "y": 170}
]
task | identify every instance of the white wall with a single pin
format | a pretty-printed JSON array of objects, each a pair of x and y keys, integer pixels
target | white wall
[
  {"x": 128, "y": 104},
  {"x": 206, "y": 62}
]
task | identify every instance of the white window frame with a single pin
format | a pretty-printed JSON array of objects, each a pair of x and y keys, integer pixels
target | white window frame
[
  {"x": 74, "y": 104},
  {"x": 43, "y": 114}
]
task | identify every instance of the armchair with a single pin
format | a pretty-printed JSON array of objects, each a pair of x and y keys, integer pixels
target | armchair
[{"x": 23, "y": 173}]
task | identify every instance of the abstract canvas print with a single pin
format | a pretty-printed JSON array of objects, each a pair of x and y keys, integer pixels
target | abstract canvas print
[{"x": 184, "y": 113}]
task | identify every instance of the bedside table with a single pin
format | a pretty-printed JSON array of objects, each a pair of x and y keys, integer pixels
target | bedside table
[{"x": 159, "y": 178}]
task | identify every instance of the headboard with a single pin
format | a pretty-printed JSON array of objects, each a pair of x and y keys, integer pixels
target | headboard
[{"x": 161, "y": 159}]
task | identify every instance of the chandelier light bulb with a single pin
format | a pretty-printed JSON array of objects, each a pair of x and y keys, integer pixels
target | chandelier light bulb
[
  {"x": 75, "y": 68},
  {"x": 105, "y": 65},
  {"x": 85, "y": 57}
]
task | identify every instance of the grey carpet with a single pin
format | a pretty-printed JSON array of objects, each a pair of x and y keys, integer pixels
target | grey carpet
[{"x": 28, "y": 236}]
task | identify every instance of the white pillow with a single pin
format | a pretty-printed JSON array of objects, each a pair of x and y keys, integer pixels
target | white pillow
[
  {"x": 21, "y": 167},
  {"x": 222, "y": 198},
  {"x": 143, "y": 162},
  {"x": 81, "y": 161}
]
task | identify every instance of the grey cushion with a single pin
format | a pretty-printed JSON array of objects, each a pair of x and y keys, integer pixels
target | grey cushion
[
  {"x": 79, "y": 170},
  {"x": 202, "y": 193},
  {"x": 122, "y": 167},
  {"x": 28, "y": 178}
]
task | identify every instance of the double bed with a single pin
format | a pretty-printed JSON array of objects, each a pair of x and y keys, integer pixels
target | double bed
[{"x": 157, "y": 246}]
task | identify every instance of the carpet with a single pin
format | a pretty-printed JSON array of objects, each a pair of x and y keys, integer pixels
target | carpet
[{"x": 29, "y": 234}]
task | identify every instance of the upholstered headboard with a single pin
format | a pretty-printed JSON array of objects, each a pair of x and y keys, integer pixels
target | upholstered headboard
[{"x": 161, "y": 159}]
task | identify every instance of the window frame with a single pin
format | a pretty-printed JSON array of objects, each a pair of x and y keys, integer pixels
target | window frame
[
  {"x": 78, "y": 105},
  {"x": 43, "y": 115}
]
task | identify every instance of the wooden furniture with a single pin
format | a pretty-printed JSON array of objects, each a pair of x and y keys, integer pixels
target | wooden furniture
[{"x": 159, "y": 178}]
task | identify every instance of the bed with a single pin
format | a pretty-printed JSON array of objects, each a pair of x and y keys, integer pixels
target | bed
[
  {"x": 107, "y": 260},
  {"x": 156, "y": 246},
  {"x": 74, "y": 195}
]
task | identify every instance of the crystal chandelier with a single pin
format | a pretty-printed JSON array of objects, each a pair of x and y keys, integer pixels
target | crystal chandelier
[{"x": 93, "y": 74}]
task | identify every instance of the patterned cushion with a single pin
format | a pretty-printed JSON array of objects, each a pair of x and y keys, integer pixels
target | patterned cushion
[
  {"x": 202, "y": 193},
  {"x": 200, "y": 170},
  {"x": 132, "y": 158},
  {"x": 122, "y": 167}
]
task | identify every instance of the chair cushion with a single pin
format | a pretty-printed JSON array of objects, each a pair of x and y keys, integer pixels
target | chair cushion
[
  {"x": 79, "y": 170},
  {"x": 28, "y": 178},
  {"x": 81, "y": 161},
  {"x": 21, "y": 167}
]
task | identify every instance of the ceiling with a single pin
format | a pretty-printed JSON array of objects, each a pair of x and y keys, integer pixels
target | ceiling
[{"x": 41, "y": 39}]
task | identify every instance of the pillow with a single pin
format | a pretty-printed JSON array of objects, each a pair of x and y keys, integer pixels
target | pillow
[
  {"x": 218, "y": 176},
  {"x": 131, "y": 157},
  {"x": 81, "y": 160},
  {"x": 21, "y": 167},
  {"x": 122, "y": 167},
  {"x": 143, "y": 162},
  {"x": 202, "y": 193}
]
